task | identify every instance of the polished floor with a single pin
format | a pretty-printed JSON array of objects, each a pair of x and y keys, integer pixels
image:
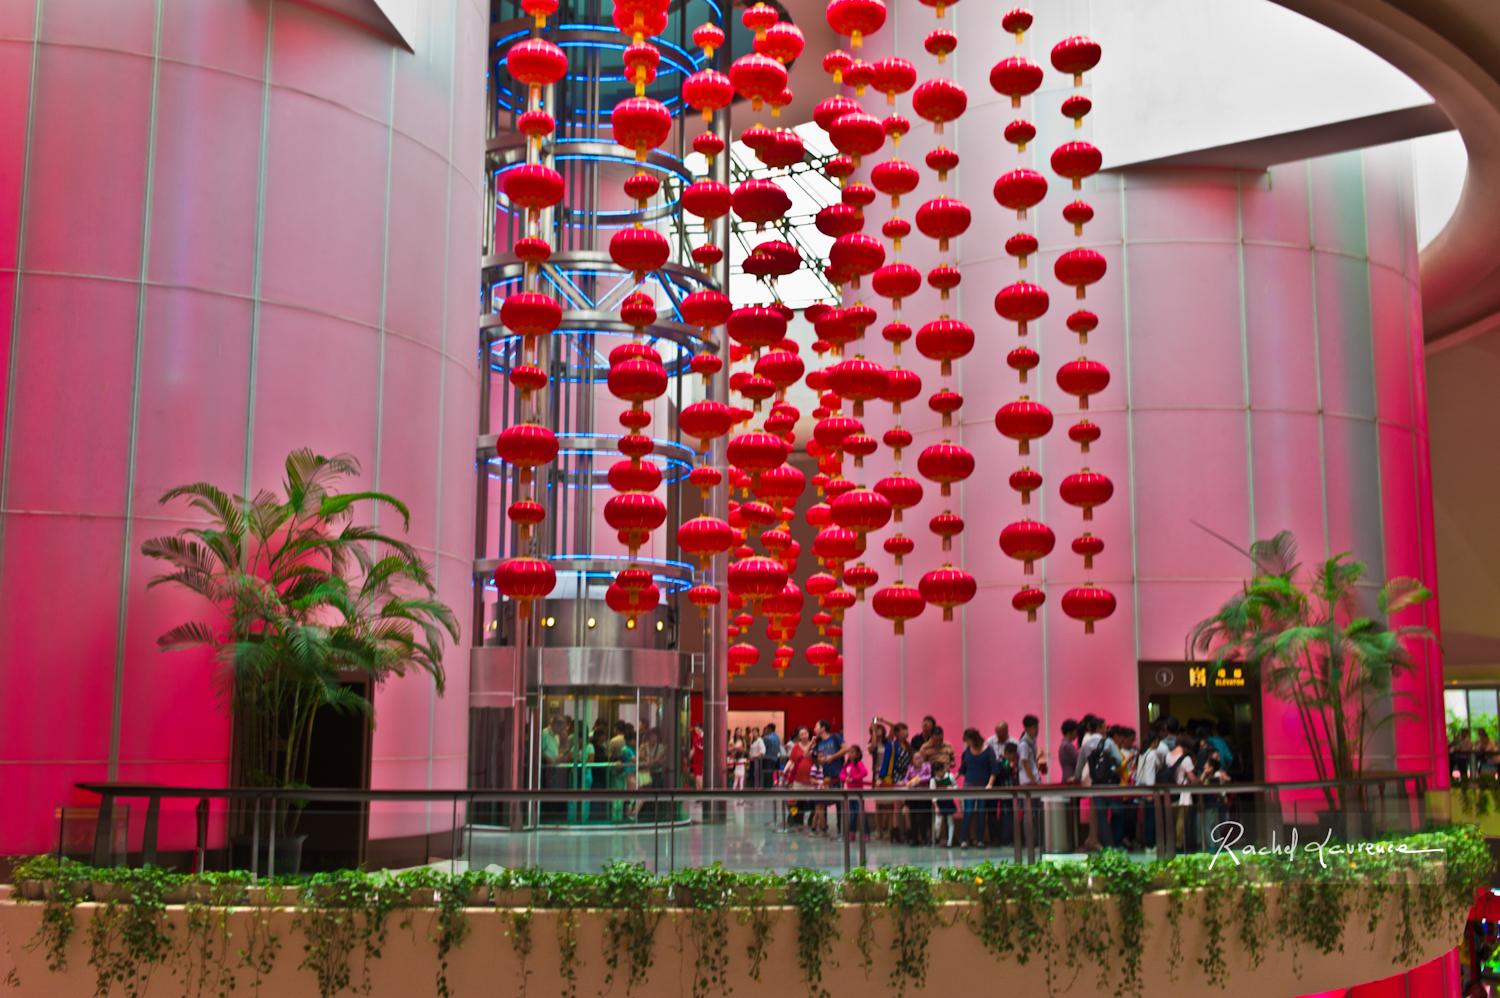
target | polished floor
[{"x": 750, "y": 839}]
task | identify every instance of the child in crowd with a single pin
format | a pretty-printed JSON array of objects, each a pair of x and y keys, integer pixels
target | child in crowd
[
  {"x": 856, "y": 776},
  {"x": 942, "y": 780},
  {"x": 920, "y": 775}
]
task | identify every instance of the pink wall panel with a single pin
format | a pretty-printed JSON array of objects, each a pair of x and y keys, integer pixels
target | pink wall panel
[
  {"x": 1287, "y": 456},
  {"x": 59, "y": 663},
  {"x": 1388, "y": 211},
  {"x": 1279, "y": 332},
  {"x": 415, "y": 291},
  {"x": 220, "y": 34},
  {"x": 1345, "y": 353},
  {"x": 72, "y": 395},
  {"x": 1190, "y": 466},
  {"x": 424, "y": 84},
  {"x": 350, "y": 67},
  {"x": 1276, "y": 212},
  {"x": 203, "y": 213},
  {"x": 1392, "y": 344},
  {"x": 45, "y": 787},
  {"x": 1177, "y": 208},
  {"x": 1353, "y": 470},
  {"x": 1091, "y": 672},
  {"x": 71, "y": 192},
  {"x": 129, "y": 28},
  {"x": 1337, "y": 204},
  {"x": 326, "y": 186},
  {"x": 1176, "y": 362},
  {"x": 409, "y": 455},
  {"x": 15, "y": 83},
  {"x": 18, "y": 20}
]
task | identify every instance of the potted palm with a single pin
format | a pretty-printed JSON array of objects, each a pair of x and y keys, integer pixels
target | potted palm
[
  {"x": 303, "y": 596},
  {"x": 1304, "y": 635}
]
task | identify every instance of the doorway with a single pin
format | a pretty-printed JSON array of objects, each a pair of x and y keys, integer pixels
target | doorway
[{"x": 1226, "y": 705}]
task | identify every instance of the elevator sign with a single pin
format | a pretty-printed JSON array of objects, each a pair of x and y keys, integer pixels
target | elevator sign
[{"x": 1188, "y": 677}]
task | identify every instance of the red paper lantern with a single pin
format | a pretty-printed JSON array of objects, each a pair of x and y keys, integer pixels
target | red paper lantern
[
  {"x": 1023, "y": 420},
  {"x": 637, "y": 381},
  {"x": 1022, "y": 245},
  {"x": 760, "y": 201},
  {"x": 856, "y": 18},
  {"x": 893, "y": 76},
  {"x": 901, "y": 492},
  {"x": 839, "y": 219},
  {"x": 1086, "y": 490},
  {"x": 708, "y": 37},
  {"x": 536, "y": 62},
  {"x": 783, "y": 41},
  {"x": 757, "y": 78},
  {"x": 756, "y": 579},
  {"x": 859, "y": 74},
  {"x": 860, "y": 577},
  {"x": 831, "y": 432},
  {"x": 895, "y": 177},
  {"x": 634, "y": 476},
  {"x": 940, "y": 43},
  {"x": 943, "y": 218},
  {"x": 1029, "y": 601},
  {"x": 945, "y": 463},
  {"x": 530, "y": 314},
  {"x": 780, "y": 486},
  {"x": 781, "y": 368},
  {"x": 706, "y": 478},
  {"x": 895, "y": 126},
  {"x": 703, "y": 596},
  {"x": 901, "y": 386},
  {"x": 1076, "y": 55},
  {"x": 526, "y": 513},
  {"x": 1025, "y": 482},
  {"x": 1076, "y": 160},
  {"x": 639, "y": 20},
  {"x": 1079, "y": 268},
  {"x": 706, "y": 309},
  {"x": 1027, "y": 541},
  {"x": 706, "y": 420},
  {"x": 1088, "y": 603},
  {"x": 705, "y": 536},
  {"x": 528, "y": 378},
  {"x": 641, "y": 187},
  {"x": 635, "y": 511},
  {"x": 856, "y": 255},
  {"x": 640, "y": 123},
  {"x": 1023, "y": 359},
  {"x": 523, "y": 580},
  {"x": 941, "y": 5},
  {"x": 1088, "y": 545},
  {"x": 631, "y": 603},
  {"x": 1079, "y": 214},
  {"x": 1020, "y": 190},
  {"x": 526, "y": 445},
  {"x": 756, "y": 326},
  {"x": 707, "y": 199},
  {"x": 942, "y": 159},
  {"x": 539, "y": 9},
  {"x": 897, "y": 439},
  {"x": 708, "y": 144},
  {"x": 532, "y": 186},
  {"x": 861, "y": 510},
  {"x": 1083, "y": 433},
  {"x": 821, "y": 584},
  {"x": 1016, "y": 77},
  {"x": 899, "y": 547},
  {"x": 755, "y": 451},
  {"x": 939, "y": 100},
  {"x": 945, "y": 340},
  {"x": 835, "y": 62},
  {"x": 786, "y": 149},
  {"x": 837, "y": 544},
  {"x": 1021, "y": 302},
  {"x": 742, "y": 657},
  {"x": 896, "y": 281},
  {"x": 758, "y": 137},
  {"x": 857, "y": 194},
  {"x": 1077, "y": 107},
  {"x": 1016, "y": 20},
  {"x": 832, "y": 109},
  {"x": 1083, "y": 377},
  {"x": 947, "y": 587},
  {"x": 822, "y": 654},
  {"x": 639, "y": 250},
  {"x": 944, "y": 278},
  {"x": 1020, "y": 132},
  {"x": 946, "y": 525},
  {"x": 857, "y": 134},
  {"x": 898, "y": 603}
]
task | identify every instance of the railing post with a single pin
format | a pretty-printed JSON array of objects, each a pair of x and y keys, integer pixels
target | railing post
[
  {"x": 255, "y": 843},
  {"x": 1015, "y": 826},
  {"x": 271, "y": 843},
  {"x": 148, "y": 834},
  {"x": 1169, "y": 824},
  {"x": 1159, "y": 818},
  {"x": 104, "y": 832},
  {"x": 843, "y": 833},
  {"x": 200, "y": 843}
]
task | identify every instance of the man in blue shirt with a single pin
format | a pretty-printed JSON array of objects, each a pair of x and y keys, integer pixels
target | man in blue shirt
[
  {"x": 830, "y": 750},
  {"x": 772, "y": 761}
]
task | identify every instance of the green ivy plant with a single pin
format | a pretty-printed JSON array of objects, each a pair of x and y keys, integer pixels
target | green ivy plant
[{"x": 1075, "y": 916}]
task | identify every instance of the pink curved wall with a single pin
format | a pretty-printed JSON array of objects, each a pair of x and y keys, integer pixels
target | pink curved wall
[
  {"x": 1263, "y": 335},
  {"x": 228, "y": 229}
]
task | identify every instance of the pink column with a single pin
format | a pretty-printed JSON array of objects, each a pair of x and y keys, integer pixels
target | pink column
[
  {"x": 230, "y": 229},
  {"x": 1263, "y": 336}
]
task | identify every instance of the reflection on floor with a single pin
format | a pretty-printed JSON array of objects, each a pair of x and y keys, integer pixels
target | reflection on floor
[{"x": 751, "y": 839}]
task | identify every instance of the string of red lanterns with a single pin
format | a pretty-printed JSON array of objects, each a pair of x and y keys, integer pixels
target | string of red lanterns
[{"x": 527, "y": 444}]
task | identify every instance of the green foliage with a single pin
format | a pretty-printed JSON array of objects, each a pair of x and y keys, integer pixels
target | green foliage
[
  {"x": 302, "y": 593},
  {"x": 1314, "y": 650},
  {"x": 1076, "y": 916}
]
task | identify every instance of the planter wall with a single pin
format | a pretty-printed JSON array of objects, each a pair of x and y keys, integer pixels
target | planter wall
[{"x": 487, "y": 963}]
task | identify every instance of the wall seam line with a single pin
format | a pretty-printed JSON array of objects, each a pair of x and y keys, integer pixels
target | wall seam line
[{"x": 258, "y": 268}]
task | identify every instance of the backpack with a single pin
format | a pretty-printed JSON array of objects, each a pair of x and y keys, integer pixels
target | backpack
[
  {"x": 1103, "y": 770},
  {"x": 1166, "y": 776}
]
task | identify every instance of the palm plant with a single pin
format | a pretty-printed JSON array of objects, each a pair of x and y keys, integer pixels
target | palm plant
[
  {"x": 1314, "y": 651},
  {"x": 304, "y": 596}
]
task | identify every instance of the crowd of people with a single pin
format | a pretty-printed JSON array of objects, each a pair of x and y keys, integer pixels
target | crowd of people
[
  {"x": 1092, "y": 752},
  {"x": 1470, "y": 756}
]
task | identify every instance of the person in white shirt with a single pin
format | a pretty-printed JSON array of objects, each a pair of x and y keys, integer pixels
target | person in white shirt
[
  {"x": 1094, "y": 733},
  {"x": 757, "y": 756},
  {"x": 1180, "y": 763},
  {"x": 1146, "y": 766},
  {"x": 996, "y": 743}
]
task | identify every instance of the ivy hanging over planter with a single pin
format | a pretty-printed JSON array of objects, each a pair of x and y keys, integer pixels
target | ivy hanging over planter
[{"x": 1077, "y": 917}]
